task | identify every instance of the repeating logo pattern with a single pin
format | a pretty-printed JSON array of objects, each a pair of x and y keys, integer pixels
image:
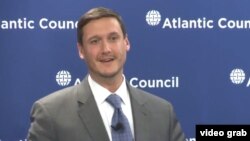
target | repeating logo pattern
[
  {"x": 153, "y": 17},
  {"x": 237, "y": 76},
  {"x": 63, "y": 78}
]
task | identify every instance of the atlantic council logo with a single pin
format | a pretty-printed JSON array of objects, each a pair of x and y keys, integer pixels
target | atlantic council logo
[
  {"x": 63, "y": 78},
  {"x": 238, "y": 76},
  {"x": 153, "y": 17}
]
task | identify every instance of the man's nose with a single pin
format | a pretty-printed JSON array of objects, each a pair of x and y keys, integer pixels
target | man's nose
[{"x": 105, "y": 46}]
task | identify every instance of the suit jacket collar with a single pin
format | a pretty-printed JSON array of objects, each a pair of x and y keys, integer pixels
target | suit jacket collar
[
  {"x": 89, "y": 113},
  {"x": 141, "y": 115}
]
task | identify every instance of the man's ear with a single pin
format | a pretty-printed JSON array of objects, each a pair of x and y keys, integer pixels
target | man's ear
[
  {"x": 80, "y": 50},
  {"x": 127, "y": 43}
]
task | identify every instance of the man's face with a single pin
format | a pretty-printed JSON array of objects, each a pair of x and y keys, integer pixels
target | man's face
[{"x": 104, "y": 47}]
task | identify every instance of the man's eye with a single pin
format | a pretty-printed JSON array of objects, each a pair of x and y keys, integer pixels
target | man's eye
[
  {"x": 113, "y": 38},
  {"x": 94, "y": 41}
]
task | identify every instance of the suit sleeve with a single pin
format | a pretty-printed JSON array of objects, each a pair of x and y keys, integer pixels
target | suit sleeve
[{"x": 41, "y": 127}]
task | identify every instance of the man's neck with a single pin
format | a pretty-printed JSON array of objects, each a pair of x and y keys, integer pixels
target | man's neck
[{"x": 110, "y": 83}]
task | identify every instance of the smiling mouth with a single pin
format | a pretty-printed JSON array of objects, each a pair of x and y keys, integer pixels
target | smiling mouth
[{"x": 105, "y": 60}]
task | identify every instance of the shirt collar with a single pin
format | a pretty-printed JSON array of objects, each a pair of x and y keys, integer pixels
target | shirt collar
[{"x": 100, "y": 93}]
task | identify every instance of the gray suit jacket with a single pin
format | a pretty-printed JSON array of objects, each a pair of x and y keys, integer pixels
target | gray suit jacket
[{"x": 71, "y": 114}]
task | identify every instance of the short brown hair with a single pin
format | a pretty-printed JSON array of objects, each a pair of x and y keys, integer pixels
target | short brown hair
[{"x": 94, "y": 14}]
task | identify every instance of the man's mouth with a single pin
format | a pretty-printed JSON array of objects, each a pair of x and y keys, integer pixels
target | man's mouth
[{"x": 108, "y": 59}]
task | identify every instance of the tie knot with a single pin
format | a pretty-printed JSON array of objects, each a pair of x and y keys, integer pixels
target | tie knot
[{"x": 114, "y": 100}]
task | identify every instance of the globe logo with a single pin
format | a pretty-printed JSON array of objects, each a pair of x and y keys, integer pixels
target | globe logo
[
  {"x": 63, "y": 78},
  {"x": 237, "y": 76},
  {"x": 153, "y": 17}
]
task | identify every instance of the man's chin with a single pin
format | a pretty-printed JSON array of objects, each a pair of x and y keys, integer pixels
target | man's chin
[{"x": 109, "y": 74}]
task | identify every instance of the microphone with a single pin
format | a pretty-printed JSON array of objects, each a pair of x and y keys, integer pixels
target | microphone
[{"x": 118, "y": 126}]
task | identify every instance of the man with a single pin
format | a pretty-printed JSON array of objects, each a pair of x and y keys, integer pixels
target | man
[{"x": 85, "y": 112}]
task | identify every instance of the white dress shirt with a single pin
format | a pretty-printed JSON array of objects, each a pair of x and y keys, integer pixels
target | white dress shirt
[{"x": 106, "y": 110}]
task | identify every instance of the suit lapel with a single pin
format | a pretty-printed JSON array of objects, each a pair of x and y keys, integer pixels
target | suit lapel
[
  {"x": 141, "y": 116},
  {"x": 89, "y": 113}
]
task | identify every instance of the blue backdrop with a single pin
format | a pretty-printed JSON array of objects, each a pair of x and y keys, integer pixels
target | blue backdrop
[{"x": 204, "y": 66}]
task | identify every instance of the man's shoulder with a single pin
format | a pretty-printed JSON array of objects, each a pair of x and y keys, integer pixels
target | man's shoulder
[
  {"x": 59, "y": 96},
  {"x": 148, "y": 97}
]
